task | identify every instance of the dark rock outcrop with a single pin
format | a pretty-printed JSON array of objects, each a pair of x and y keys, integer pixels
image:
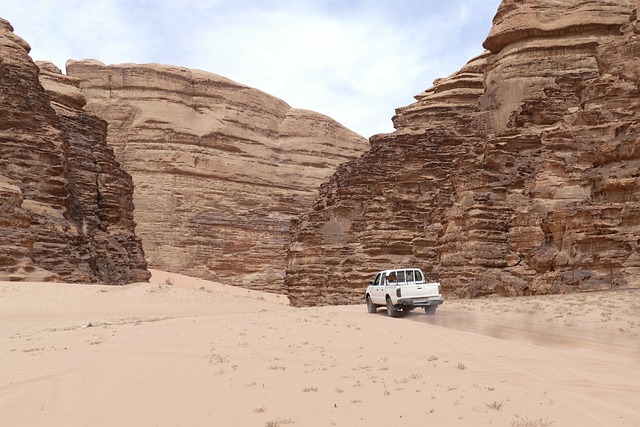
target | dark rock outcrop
[
  {"x": 516, "y": 175},
  {"x": 66, "y": 205}
]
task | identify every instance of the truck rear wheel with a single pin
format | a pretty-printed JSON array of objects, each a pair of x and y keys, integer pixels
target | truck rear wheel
[
  {"x": 371, "y": 307},
  {"x": 392, "y": 311},
  {"x": 430, "y": 310}
]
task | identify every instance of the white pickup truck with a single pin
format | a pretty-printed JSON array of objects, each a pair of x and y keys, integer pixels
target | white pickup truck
[{"x": 403, "y": 289}]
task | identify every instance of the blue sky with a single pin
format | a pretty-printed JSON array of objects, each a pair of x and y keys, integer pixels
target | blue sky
[{"x": 353, "y": 60}]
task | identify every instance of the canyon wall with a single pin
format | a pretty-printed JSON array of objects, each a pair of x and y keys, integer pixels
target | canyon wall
[
  {"x": 219, "y": 168},
  {"x": 517, "y": 175},
  {"x": 66, "y": 206}
]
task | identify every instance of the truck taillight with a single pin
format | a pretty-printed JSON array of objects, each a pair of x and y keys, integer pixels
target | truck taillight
[{"x": 398, "y": 292}]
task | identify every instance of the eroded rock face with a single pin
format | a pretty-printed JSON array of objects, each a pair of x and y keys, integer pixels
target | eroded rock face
[
  {"x": 66, "y": 206},
  {"x": 517, "y": 175},
  {"x": 219, "y": 168}
]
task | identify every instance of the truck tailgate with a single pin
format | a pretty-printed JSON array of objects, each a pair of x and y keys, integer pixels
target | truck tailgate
[{"x": 418, "y": 290}]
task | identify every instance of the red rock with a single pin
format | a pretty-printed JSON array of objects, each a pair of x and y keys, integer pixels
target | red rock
[
  {"x": 66, "y": 205},
  {"x": 219, "y": 168},
  {"x": 516, "y": 175}
]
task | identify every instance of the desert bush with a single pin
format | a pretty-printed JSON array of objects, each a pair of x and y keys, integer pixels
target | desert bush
[
  {"x": 519, "y": 421},
  {"x": 278, "y": 422},
  {"x": 494, "y": 405}
]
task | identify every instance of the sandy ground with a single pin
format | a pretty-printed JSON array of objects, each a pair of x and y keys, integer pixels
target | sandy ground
[{"x": 186, "y": 352}]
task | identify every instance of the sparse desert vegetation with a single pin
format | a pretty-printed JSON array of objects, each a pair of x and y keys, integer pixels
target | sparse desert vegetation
[
  {"x": 496, "y": 361},
  {"x": 495, "y": 405},
  {"x": 279, "y": 422},
  {"x": 519, "y": 421}
]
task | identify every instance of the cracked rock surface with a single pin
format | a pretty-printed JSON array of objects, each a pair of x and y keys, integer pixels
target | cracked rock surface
[
  {"x": 517, "y": 175},
  {"x": 66, "y": 205}
]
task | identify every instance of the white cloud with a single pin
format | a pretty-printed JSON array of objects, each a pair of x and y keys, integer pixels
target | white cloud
[
  {"x": 355, "y": 61},
  {"x": 57, "y": 31}
]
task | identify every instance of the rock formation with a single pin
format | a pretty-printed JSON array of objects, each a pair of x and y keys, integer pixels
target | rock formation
[
  {"x": 66, "y": 207},
  {"x": 519, "y": 174},
  {"x": 219, "y": 168}
]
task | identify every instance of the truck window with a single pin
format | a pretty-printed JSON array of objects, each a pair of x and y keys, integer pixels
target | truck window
[
  {"x": 410, "y": 276},
  {"x": 419, "y": 277},
  {"x": 376, "y": 282},
  {"x": 391, "y": 278},
  {"x": 401, "y": 278}
]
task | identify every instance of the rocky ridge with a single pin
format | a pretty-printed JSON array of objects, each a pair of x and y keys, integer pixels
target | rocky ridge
[
  {"x": 66, "y": 205},
  {"x": 219, "y": 168},
  {"x": 516, "y": 175}
]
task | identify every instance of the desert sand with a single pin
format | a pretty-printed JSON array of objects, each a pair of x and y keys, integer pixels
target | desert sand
[{"x": 186, "y": 352}]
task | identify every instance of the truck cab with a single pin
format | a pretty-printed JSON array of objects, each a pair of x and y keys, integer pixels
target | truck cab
[{"x": 403, "y": 289}]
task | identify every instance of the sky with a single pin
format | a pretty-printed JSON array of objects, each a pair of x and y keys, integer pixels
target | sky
[{"x": 355, "y": 61}]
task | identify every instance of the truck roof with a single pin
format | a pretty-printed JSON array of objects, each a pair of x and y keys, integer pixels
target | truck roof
[{"x": 398, "y": 269}]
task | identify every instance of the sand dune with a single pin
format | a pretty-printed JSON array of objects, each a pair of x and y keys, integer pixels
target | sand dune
[{"x": 187, "y": 352}]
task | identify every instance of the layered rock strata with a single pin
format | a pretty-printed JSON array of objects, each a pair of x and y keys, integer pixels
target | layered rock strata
[
  {"x": 66, "y": 206},
  {"x": 516, "y": 175},
  {"x": 219, "y": 168}
]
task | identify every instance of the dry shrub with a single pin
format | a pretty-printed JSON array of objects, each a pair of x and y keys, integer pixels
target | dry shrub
[{"x": 519, "y": 421}]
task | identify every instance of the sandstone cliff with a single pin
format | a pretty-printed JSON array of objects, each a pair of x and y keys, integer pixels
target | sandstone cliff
[
  {"x": 66, "y": 207},
  {"x": 219, "y": 168},
  {"x": 518, "y": 174}
]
